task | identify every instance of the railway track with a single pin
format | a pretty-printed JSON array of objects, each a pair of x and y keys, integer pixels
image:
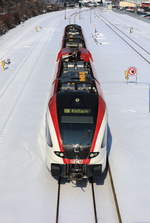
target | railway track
[
  {"x": 59, "y": 197},
  {"x": 92, "y": 188},
  {"x": 94, "y": 202},
  {"x": 93, "y": 197},
  {"x": 18, "y": 70},
  {"x": 10, "y": 88},
  {"x": 16, "y": 85},
  {"x": 134, "y": 45},
  {"x": 76, "y": 14},
  {"x": 58, "y": 200},
  {"x": 26, "y": 58},
  {"x": 114, "y": 196}
]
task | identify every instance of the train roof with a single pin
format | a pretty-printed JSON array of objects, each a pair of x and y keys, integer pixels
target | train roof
[
  {"x": 73, "y": 27},
  {"x": 83, "y": 53},
  {"x": 76, "y": 76},
  {"x": 76, "y": 99},
  {"x": 75, "y": 73}
]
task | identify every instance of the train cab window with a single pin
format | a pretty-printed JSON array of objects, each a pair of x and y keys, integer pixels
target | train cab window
[
  {"x": 77, "y": 119},
  {"x": 77, "y": 112},
  {"x": 48, "y": 137}
]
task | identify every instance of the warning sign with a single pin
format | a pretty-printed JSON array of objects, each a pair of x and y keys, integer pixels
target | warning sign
[{"x": 131, "y": 72}]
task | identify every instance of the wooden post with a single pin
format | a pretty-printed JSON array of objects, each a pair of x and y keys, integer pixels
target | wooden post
[
  {"x": 65, "y": 5},
  {"x": 2, "y": 63},
  {"x": 126, "y": 76}
]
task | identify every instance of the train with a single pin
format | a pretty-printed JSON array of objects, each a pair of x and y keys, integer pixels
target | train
[{"x": 76, "y": 118}]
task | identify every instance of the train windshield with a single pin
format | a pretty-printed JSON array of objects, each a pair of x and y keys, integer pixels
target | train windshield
[
  {"x": 77, "y": 115},
  {"x": 77, "y": 119}
]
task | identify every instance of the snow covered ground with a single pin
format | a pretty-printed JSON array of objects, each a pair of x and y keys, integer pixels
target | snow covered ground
[
  {"x": 129, "y": 117},
  {"x": 28, "y": 192}
]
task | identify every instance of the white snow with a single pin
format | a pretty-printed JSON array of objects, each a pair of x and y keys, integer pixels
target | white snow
[{"x": 27, "y": 191}]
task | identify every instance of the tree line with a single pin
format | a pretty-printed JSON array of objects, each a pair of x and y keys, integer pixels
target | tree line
[{"x": 13, "y": 12}]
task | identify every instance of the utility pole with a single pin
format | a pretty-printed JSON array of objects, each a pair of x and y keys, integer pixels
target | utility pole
[
  {"x": 79, "y": 9},
  {"x": 65, "y": 5}
]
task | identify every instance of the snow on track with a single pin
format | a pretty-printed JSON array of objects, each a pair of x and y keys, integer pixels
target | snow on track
[
  {"x": 106, "y": 208},
  {"x": 76, "y": 203}
]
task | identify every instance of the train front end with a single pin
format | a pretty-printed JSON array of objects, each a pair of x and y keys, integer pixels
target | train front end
[{"x": 76, "y": 134}]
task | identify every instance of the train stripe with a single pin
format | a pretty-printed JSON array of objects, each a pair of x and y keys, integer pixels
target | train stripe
[
  {"x": 54, "y": 115},
  {"x": 100, "y": 116}
]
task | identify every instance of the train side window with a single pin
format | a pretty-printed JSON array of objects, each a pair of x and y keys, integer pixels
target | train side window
[
  {"x": 104, "y": 140},
  {"x": 48, "y": 137}
]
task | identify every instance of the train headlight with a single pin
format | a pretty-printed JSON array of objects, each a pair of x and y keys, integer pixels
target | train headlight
[
  {"x": 93, "y": 154},
  {"x": 60, "y": 154}
]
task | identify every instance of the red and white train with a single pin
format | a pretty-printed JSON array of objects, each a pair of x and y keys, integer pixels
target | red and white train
[{"x": 76, "y": 119}]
